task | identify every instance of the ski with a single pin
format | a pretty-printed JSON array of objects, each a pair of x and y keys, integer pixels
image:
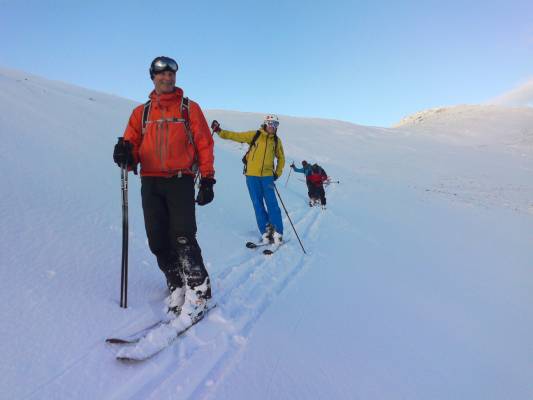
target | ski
[
  {"x": 253, "y": 245},
  {"x": 272, "y": 249},
  {"x": 136, "y": 336},
  {"x": 155, "y": 340}
]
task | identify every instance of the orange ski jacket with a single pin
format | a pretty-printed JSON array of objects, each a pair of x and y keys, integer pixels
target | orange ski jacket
[{"x": 165, "y": 148}]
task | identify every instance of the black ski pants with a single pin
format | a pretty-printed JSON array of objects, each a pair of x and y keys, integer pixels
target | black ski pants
[
  {"x": 316, "y": 192},
  {"x": 309, "y": 188},
  {"x": 170, "y": 222}
]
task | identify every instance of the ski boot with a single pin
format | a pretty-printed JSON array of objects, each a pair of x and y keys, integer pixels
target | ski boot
[
  {"x": 195, "y": 304},
  {"x": 277, "y": 238},
  {"x": 267, "y": 237},
  {"x": 197, "y": 284},
  {"x": 174, "y": 302}
]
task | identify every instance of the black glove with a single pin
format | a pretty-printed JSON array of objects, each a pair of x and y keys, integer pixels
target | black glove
[
  {"x": 205, "y": 194},
  {"x": 275, "y": 176},
  {"x": 215, "y": 126},
  {"x": 292, "y": 165},
  {"x": 123, "y": 153}
]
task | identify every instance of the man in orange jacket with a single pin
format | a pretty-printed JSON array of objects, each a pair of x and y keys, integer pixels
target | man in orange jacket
[{"x": 170, "y": 139}]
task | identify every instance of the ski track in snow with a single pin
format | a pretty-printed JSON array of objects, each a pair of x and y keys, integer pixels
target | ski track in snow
[
  {"x": 243, "y": 291},
  {"x": 255, "y": 284}
]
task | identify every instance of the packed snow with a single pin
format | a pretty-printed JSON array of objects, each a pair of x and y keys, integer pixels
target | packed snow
[{"x": 416, "y": 283}]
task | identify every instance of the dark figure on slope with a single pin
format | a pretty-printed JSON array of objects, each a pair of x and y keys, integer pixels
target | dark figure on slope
[
  {"x": 170, "y": 138},
  {"x": 315, "y": 177}
]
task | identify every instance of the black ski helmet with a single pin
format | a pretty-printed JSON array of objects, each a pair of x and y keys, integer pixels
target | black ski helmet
[{"x": 161, "y": 64}]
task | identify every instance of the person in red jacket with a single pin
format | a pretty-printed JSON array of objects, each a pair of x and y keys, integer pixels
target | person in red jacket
[
  {"x": 170, "y": 139},
  {"x": 316, "y": 180}
]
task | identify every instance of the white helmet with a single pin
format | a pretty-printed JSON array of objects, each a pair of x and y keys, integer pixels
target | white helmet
[{"x": 271, "y": 120}]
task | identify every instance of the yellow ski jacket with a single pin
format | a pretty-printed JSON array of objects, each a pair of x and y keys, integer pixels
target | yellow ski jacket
[{"x": 260, "y": 158}]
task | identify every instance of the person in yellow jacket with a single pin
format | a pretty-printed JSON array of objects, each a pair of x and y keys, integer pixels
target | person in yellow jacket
[{"x": 260, "y": 171}]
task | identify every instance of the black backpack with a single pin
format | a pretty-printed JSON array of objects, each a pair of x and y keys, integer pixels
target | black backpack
[{"x": 318, "y": 170}]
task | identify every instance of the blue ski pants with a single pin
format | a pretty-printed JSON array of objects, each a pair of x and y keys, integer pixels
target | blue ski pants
[{"x": 261, "y": 189}]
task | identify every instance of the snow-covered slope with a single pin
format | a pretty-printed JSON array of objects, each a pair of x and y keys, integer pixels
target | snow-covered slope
[
  {"x": 416, "y": 283},
  {"x": 481, "y": 125}
]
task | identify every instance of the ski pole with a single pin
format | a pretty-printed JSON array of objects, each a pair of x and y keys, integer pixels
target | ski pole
[
  {"x": 124, "y": 272},
  {"x": 287, "y": 181},
  {"x": 276, "y": 189}
]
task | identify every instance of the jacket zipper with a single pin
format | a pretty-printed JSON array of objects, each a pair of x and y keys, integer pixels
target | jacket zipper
[{"x": 264, "y": 155}]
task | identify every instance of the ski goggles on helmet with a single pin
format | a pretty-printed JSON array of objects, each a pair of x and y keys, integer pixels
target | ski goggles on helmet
[
  {"x": 161, "y": 64},
  {"x": 272, "y": 124}
]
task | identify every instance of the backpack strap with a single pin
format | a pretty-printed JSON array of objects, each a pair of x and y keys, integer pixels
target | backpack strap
[
  {"x": 254, "y": 139},
  {"x": 146, "y": 113},
  {"x": 252, "y": 143},
  {"x": 186, "y": 120},
  {"x": 188, "y": 131}
]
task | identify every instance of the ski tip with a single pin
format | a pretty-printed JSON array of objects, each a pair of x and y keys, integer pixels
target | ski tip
[
  {"x": 117, "y": 341},
  {"x": 128, "y": 360},
  {"x": 268, "y": 252}
]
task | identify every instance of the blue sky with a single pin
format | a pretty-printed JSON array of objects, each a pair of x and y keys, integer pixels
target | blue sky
[{"x": 370, "y": 63}]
